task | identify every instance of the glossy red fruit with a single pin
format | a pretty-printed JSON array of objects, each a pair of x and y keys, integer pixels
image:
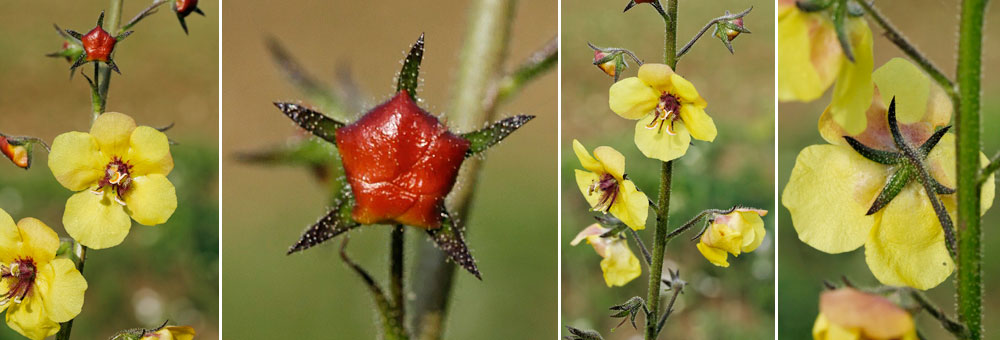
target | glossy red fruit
[
  {"x": 98, "y": 44},
  {"x": 185, "y": 7},
  {"x": 401, "y": 162}
]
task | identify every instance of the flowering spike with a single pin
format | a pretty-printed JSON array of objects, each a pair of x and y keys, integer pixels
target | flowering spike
[
  {"x": 483, "y": 139},
  {"x": 316, "y": 123},
  {"x": 410, "y": 73},
  {"x": 336, "y": 222},
  {"x": 449, "y": 239}
]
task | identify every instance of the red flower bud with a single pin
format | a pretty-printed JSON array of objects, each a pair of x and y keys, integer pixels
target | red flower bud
[
  {"x": 401, "y": 162},
  {"x": 98, "y": 45},
  {"x": 185, "y": 7},
  {"x": 607, "y": 66},
  {"x": 16, "y": 153}
]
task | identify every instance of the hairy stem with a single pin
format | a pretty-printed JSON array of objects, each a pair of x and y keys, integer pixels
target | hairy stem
[
  {"x": 642, "y": 247},
  {"x": 910, "y": 50},
  {"x": 967, "y": 129},
  {"x": 480, "y": 64},
  {"x": 396, "y": 264},
  {"x": 112, "y": 23},
  {"x": 663, "y": 203},
  {"x": 704, "y": 29},
  {"x": 670, "y": 309}
]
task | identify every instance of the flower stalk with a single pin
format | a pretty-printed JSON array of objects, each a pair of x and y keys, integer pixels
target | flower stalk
[
  {"x": 663, "y": 201},
  {"x": 968, "y": 129},
  {"x": 711, "y": 23}
]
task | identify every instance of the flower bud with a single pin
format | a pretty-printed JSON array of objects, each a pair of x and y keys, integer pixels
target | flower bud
[
  {"x": 17, "y": 151},
  {"x": 69, "y": 50},
  {"x": 848, "y": 313},
  {"x": 737, "y": 232},
  {"x": 728, "y": 30}
]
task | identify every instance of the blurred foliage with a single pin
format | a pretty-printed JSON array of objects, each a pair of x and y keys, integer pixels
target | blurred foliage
[
  {"x": 720, "y": 303},
  {"x": 313, "y": 294},
  {"x": 165, "y": 272},
  {"x": 802, "y": 268}
]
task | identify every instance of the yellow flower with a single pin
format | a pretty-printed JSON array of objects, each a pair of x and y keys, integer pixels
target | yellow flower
[
  {"x": 848, "y": 314},
  {"x": 833, "y": 188},
  {"x": 669, "y": 110},
  {"x": 740, "y": 231},
  {"x": 810, "y": 59},
  {"x": 119, "y": 170},
  {"x": 619, "y": 264},
  {"x": 604, "y": 186},
  {"x": 171, "y": 333},
  {"x": 38, "y": 290}
]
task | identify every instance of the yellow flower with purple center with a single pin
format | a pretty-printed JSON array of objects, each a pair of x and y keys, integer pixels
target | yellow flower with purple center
[
  {"x": 604, "y": 186},
  {"x": 39, "y": 291},
  {"x": 668, "y": 108},
  {"x": 119, "y": 171},
  {"x": 740, "y": 231},
  {"x": 810, "y": 58},
  {"x": 841, "y": 199},
  {"x": 619, "y": 264},
  {"x": 849, "y": 314}
]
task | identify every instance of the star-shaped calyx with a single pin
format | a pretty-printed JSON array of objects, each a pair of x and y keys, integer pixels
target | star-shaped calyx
[
  {"x": 399, "y": 164},
  {"x": 184, "y": 8},
  {"x": 98, "y": 45},
  {"x": 906, "y": 166}
]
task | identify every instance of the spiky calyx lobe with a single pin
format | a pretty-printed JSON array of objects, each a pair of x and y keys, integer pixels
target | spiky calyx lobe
[{"x": 401, "y": 162}]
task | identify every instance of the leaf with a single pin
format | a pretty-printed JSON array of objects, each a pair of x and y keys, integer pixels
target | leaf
[{"x": 485, "y": 138}]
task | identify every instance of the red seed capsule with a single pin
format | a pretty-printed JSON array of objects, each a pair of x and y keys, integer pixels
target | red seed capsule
[
  {"x": 401, "y": 162},
  {"x": 185, "y": 7},
  {"x": 98, "y": 45}
]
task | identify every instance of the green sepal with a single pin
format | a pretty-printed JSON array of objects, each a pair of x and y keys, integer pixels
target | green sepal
[
  {"x": 579, "y": 334},
  {"x": 720, "y": 33},
  {"x": 840, "y": 26},
  {"x": 409, "y": 75},
  {"x": 619, "y": 66},
  {"x": 628, "y": 311},
  {"x": 483, "y": 139},
  {"x": 892, "y": 187},
  {"x": 451, "y": 240},
  {"x": 615, "y": 225},
  {"x": 316, "y": 123},
  {"x": 925, "y": 149},
  {"x": 813, "y": 5},
  {"x": 337, "y": 221},
  {"x": 875, "y": 155}
]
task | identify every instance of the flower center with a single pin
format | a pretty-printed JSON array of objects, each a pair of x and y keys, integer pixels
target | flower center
[
  {"x": 117, "y": 176},
  {"x": 665, "y": 114},
  {"x": 607, "y": 186},
  {"x": 21, "y": 274}
]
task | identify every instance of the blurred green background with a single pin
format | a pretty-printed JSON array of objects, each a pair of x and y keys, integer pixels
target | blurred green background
[
  {"x": 164, "y": 272},
  {"x": 738, "y": 168},
  {"x": 512, "y": 225},
  {"x": 802, "y": 268}
]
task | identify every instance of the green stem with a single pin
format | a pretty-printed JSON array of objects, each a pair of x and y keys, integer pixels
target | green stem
[
  {"x": 967, "y": 129},
  {"x": 80, "y": 252},
  {"x": 480, "y": 65},
  {"x": 396, "y": 264},
  {"x": 897, "y": 38},
  {"x": 663, "y": 202},
  {"x": 113, "y": 22}
]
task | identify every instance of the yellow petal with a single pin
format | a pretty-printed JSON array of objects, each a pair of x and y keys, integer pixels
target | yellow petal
[
  {"x": 941, "y": 163},
  {"x": 853, "y": 92},
  {"x": 900, "y": 79},
  {"x": 631, "y": 206},
  {"x": 755, "y": 232},
  {"x": 592, "y": 235},
  {"x": 112, "y": 130},
  {"x": 172, "y": 333},
  {"x": 658, "y": 144},
  {"x": 96, "y": 221},
  {"x": 30, "y": 318},
  {"x": 149, "y": 152},
  {"x": 10, "y": 238},
  {"x": 631, "y": 98},
  {"x": 152, "y": 199},
  {"x": 685, "y": 91},
  {"x": 820, "y": 327},
  {"x": 612, "y": 161},
  {"x": 798, "y": 79},
  {"x": 38, "y": 241},
  {"x": 907, "y": 247},
  {"x": 62, "y": 288},
  {"x": 586, "y": 160},
  {"x": 584, "y": 179},
  {"x": 714, "y": 255},
  {"x": 75, "y": 160},
  {"x": 621, "y": 265},
  {"x": 698, "y": 123},
  {"x": 657, "y": 76},
  {"x": 724, "y": 237},
  {"x": 828, "y": 193}
]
